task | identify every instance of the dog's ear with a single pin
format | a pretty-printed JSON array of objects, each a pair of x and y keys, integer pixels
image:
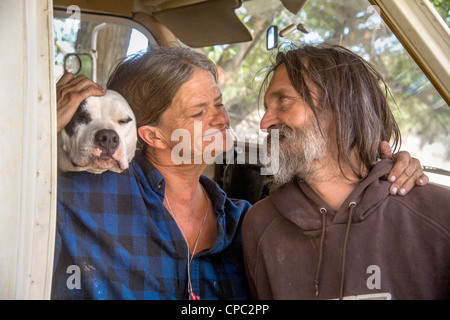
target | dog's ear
[{"x": 152, "y": 136}]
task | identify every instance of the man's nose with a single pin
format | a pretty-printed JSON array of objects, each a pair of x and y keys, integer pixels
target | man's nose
[{"x": 269, "y": 119}]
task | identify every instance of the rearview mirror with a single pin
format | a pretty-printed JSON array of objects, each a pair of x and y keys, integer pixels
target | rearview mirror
[
  {"x": 272, "y": 37},
  {"x": 80, "y": 63}
]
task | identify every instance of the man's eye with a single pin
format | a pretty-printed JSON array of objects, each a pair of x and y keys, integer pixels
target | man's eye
[
  {"x": 220, "y": 105},
  {"x": 125, "y": 121},
  {"x": 286, "y": 101}
]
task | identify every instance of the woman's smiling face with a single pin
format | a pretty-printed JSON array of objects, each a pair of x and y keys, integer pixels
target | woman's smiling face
[{"x": 197, "y": 109}]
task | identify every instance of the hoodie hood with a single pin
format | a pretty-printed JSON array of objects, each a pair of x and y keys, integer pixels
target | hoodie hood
[{"x": 298, "y": 203}]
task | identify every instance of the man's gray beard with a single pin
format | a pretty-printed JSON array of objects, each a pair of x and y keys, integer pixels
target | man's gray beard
[{"x": 299, "y": 150}]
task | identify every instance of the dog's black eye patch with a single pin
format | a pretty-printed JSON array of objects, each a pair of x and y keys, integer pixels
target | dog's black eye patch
[
  {"x": 125, "y": 121},
  {"x": 81, "y": 116}
]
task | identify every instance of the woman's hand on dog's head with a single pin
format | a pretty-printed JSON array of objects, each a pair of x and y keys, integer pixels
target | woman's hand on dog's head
[{"x": 70, "y": 92}]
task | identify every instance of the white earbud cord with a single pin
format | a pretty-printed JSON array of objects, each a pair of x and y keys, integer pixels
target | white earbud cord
[{"x": 189, "y": 255}]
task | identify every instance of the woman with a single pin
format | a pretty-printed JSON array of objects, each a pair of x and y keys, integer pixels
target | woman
[
  {"x": 159, "y": 230},
  {"x": 170, "y": 233}
]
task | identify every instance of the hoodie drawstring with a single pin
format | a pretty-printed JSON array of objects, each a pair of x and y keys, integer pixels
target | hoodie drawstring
[
  {"x": 344, "y": 249},
  {"x": 323, "y": 211}
]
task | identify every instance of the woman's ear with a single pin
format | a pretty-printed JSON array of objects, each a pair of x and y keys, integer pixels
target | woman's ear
[{"x": 152, "y": 136}]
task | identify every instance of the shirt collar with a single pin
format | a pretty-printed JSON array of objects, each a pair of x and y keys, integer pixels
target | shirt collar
[
  {"x": 227, "y": 222},
  {"x": 150, "y": 174},
  {"x": 157, "y": 183}
]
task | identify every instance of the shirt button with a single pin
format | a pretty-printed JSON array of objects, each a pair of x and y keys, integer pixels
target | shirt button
[{"x": 160, "y": 186}]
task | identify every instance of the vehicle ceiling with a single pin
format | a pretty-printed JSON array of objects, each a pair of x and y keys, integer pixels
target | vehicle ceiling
[{"x": 197, "y": 23}]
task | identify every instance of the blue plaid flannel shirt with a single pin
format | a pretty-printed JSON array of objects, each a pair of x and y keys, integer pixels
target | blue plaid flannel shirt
[{"x": 115, "y": 237}]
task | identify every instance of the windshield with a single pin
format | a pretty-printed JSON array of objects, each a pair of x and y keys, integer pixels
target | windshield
[
  {"x": 103, "y": 39},
  {"x": 422, "y": 114}
]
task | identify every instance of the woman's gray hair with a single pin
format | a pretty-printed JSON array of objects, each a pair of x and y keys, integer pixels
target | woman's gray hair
[{"x": 150, "y": 80}]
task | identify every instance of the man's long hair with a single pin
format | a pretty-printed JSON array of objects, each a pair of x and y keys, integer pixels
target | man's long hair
[{"x": 350, "y": 89}]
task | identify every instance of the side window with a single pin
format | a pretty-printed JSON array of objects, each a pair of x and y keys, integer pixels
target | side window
[{"x": 94, "y": 44}]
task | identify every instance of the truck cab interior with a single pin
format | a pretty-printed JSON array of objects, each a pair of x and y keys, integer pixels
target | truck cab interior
[
  {"x": 407, "y": 40},
  {"x": 90, "y": 36}
]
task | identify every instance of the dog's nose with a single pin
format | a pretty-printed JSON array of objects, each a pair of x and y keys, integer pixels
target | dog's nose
[{"x": 107, "y": 140}]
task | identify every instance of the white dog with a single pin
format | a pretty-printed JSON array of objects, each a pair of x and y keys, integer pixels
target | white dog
[{"x": 101, "y": 136}]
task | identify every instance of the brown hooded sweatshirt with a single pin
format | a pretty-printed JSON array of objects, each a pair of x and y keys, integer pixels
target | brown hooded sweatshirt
[{"x": 375, "y": 246}]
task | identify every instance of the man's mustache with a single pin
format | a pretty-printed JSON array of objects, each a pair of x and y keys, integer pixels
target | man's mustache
[{"x": 284, "y": 131}]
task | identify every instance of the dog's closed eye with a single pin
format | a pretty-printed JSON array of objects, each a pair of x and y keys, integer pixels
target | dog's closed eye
[
  {"x": 125, "y": 121},
  {"x": 81, "y": 116}
]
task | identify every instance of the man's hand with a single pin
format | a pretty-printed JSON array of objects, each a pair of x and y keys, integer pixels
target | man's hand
[
  {"x": 406, "y": 173},
  {"x": 70, "y": 92}
]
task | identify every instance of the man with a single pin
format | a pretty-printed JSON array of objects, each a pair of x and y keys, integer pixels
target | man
[{"x": 331, "y": 229}]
